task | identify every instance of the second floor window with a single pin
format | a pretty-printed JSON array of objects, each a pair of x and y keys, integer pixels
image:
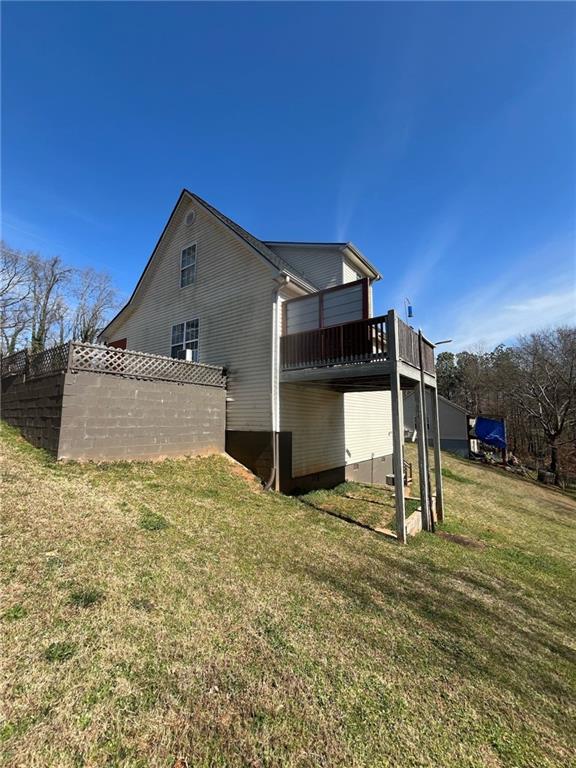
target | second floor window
[
  {"x": 188, "y": 266},
  {"x": 185, "y": 336}
]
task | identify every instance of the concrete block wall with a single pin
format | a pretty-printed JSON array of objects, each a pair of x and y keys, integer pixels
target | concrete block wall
[
  {"x": 34, "y": 406},
  {"x": 107, "y": 417},
  {"x": 103, "y": 417}
]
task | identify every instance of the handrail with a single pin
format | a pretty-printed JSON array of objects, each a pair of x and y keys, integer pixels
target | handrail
[
  {"x": 338, "y": 325},
  {"x": 358, "y": 341}
]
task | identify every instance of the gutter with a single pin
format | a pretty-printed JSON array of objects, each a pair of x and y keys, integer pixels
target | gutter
[
  {"x": 273, "y": 480},
  {"x": 362, "y": 259}
]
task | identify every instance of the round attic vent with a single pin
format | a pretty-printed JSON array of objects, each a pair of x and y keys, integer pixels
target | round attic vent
[{"x": 190, "y": 217}]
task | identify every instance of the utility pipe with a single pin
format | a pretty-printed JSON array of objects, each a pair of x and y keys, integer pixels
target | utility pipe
[{"x": 275, "y": 379}]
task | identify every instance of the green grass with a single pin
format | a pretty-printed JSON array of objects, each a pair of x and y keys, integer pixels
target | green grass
[
  {"x": 152, "y": 521},
  {"x": 60, "y": 651},
  {"x": 371, "y": 507},
  {"x": 451, "y": 475},
  {"x": 14, "y": 613},
  {"x": 259, "y": 630},
  {"x": 84, "y": 598}
]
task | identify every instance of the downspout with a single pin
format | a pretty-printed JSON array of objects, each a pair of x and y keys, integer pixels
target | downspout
[{"x": 275, "y": 380}]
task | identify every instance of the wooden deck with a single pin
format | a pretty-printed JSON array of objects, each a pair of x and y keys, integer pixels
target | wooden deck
[
  {"x": 373, "y": 354},
  {"x": 358, "y": 355}
]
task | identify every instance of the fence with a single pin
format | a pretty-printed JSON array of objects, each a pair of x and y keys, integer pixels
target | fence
[
  {"x": 95, "y": 358},
  {"x": 91, "y": 402}
]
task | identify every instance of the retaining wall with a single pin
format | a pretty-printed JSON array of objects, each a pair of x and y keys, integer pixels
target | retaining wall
[
  {"x": 91, "y": 416},
  {"x": 35, "y": 407}
]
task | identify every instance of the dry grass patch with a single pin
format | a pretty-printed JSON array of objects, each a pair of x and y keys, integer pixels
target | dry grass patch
[{"x": 255, "y": 630}]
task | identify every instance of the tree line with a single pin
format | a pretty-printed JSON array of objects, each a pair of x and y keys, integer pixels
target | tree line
[
  {"x": 44, "y": 301},
  {"x": 531, "y": 384}
]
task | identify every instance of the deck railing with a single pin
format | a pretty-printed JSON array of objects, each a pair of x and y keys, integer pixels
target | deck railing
[
  {"x": 409, "y": 348},
  {"x": 360, "y": 341}
]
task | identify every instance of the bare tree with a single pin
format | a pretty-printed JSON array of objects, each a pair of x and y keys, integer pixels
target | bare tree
[
  {"x": 94, "y": 296},
  {"x": 14, "y": 275},
  {"x": 14, "y": 295},
  {"x": 48, "y": 277},
  {"x": 43, "y": 301},
  {"x": 546, "y": 386}
]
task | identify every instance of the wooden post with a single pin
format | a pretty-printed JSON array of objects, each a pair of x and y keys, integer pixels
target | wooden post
[
  {"x": 397, "y": 426},
  {"x": 419, "y": 395},
  {"x": 70, "y": 357},
  {"x": 437, "y": 457},
  {"x": 424, "y": 422}
]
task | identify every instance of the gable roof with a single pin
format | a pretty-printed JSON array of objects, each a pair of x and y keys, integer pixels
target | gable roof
[
  {"x": 453, "y": 404},
  {"x": 410, "y": 393},
  {"x": 256, "y": 245},
  {"x": 350, "y": 247}
]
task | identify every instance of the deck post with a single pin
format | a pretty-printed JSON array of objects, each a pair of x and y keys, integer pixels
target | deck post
[
  {"x": 420, "y": 394},
  {"x": 397, "y": 426},
  {"x": 424, "y": 423},
  {"x": 437, "y": 455}
]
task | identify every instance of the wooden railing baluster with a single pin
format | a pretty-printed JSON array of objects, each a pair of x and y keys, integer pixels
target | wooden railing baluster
[{"x": 361, "y": 341}]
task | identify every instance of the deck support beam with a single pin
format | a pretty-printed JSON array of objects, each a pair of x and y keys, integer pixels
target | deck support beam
[
  {"x": 437, "y": 455},
  {"x": 397, "y": 428},
  {"x": 426, "y": 485},
  {"x": 421, "y": 433},
  {"x": 398, "y": 456}
]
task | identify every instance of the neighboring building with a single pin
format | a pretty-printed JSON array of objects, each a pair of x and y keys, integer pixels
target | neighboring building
[
  {"x": 291, "y": 323},
  {"x": 455, "y": 424}
]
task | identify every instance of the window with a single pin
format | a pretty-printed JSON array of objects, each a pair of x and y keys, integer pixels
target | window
[
  {"x": 188, "y": 266},
  {"x": 185, "y": 336}
]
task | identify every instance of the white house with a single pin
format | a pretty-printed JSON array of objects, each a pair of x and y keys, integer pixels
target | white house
[
  {"x": 454, "y": 424},
  {"x": 311, "y": 373}
]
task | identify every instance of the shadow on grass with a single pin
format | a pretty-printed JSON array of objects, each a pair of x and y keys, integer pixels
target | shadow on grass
[
  {"x": 368, "y": 501},
  {"x": 493, "y": 638},
  {"x": 344, "y": 518}
]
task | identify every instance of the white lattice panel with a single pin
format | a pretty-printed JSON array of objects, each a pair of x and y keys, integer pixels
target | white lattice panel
[{"x": 139, "y": 365}]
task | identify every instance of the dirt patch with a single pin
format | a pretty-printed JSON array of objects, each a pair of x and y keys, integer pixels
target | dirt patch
[
  {"x": 244, "y": 473},
  {"x": 464, "y": 541}
]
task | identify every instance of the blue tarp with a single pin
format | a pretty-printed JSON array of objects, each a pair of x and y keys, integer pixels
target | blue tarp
[{"x": 491, "y": 432}]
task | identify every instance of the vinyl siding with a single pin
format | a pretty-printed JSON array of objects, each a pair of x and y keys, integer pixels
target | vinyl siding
[
  {"x": 368, "y": 425},
  {"x": 453, "y": 420},
  {"x": 330, "y": 429},
  {"x": 349, "y": 274},
  {"x": 322, "y": 266},
  {"x": 232, "y": 299},
  {"x": 316, "y": 419}
]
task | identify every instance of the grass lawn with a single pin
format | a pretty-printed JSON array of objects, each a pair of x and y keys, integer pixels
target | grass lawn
[{"x": 174, "y": 614}]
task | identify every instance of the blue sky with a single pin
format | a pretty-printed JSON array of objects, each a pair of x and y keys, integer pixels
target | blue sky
[{"x": 438, "y": 137}]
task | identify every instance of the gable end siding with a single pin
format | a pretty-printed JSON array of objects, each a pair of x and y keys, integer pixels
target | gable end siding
[{"x": 232, "y": 299}]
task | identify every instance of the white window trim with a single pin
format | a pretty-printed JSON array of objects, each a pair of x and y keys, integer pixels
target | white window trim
[
  {"x": 183, "y": 322},
  {"x": 190, "y": 245}
]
